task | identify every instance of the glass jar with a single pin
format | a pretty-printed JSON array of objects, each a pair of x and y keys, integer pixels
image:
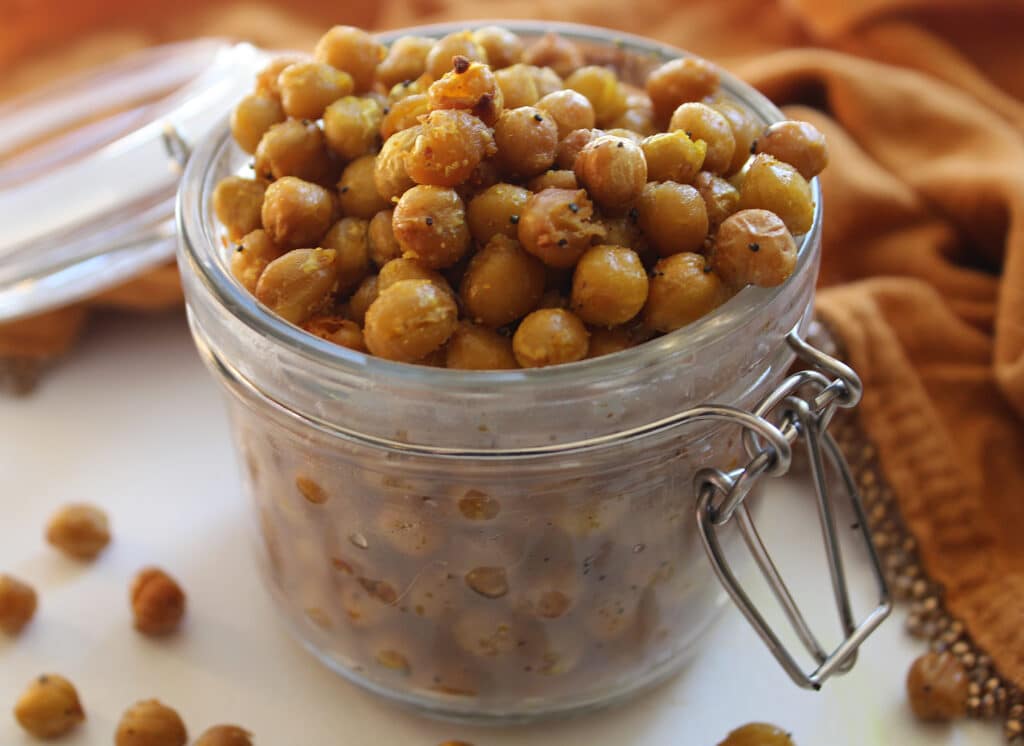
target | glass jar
[{"x": 487, "y": 545}]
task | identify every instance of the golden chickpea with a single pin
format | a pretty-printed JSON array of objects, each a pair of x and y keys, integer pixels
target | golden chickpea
[
  {"x": 550, "y": 336},
  {"x": 357, "y": 189},
  {"x": 937, "y": 687},
  {"x": 362, "y": 299},
  {"x": 601, "y": 86},
  {"x": 237, "y": 202},
  {"x": 352, "y": 50},
  {"x": 296, "y": 213},
  {"x": 348, "y": 238},
  {"x": 470, "y": 86},
  {"x": 673, "y": 217},
  {"x": 502, "y": 283},
  {"x": 683, "y": 288},
  {"x": 612, "y": 170},
  {"x": 556, "y": 52},
  {"x": 758, "y": 734},
  {"x": 381, "y": 236},
  {"x": 342, "y": 332},
  {"x": 526, "y": 140},
  {"x": 754, "y": 247},
  {"x": 606, "y": 341},
  {"x": 673, "y": 156},
  {"x": 630, "y": 135},
  {"x": 701, "y": 122},
  {"x": 457, "y": 44},
  {"x": 18, "y": 603},
  {"x": 484, "y": 176},
  {"x": 799, "y": 144},
  {"x": 409, "y": 269},
  {"x": 554, "y": 179},
  {"x": 624, "y": 230},
  {"x": 250, "y": 120},
  {"x": 570, "y": 109},
  {"x": 639, "y": 114},
  {"x": 251, "y": 257},
  {"x": 473, "y": 347},
  {"x": 307, "y": 88},
  {"x": 389, "y": 174},
  {"x": 150, "y": 723},
  {"x": 570, "y": 146},
  {"x": 410, "y": 320},
  {"x": 298, "y": 284},
  {"x": 721, "y": 198},
  {"x": 80, "y": 531},
  {"x": 49, "y": 708},
  {"x": 450, "y": 145},
  {"x": 776, "y": 186},
  {"x": 412, "y": 87},
  {"x": 518, "y": 85},
  {"x": 158, "y": 603},
  {"x": 609, "y": 286},
  {"x": 503, "y": 47},
  {"x": 404, "y": 114},
  {"x": 556, "y": 226},
  {"x": 430, "y": 225},
  {"x": 496, "y": 210},
  {"x": 680, "y": 81},
  {"x": 294, "y": 148},
  {"x": 405, "y": 60},
  {"x": 745, "y": 129},
  {"x": 225, "y": 735},
  {"x": 352, "y": 126},
  {"x": 266, "y": 79}
]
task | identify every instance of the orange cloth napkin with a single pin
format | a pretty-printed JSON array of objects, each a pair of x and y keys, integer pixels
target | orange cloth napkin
[{"x": 923, "y": 105}]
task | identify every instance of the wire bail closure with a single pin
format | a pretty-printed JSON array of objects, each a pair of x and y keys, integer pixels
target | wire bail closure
[{"x": 799, "y": 410}]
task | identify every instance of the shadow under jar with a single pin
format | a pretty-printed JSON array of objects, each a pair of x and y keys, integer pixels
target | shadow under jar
[{"x": 494, "y": 546}]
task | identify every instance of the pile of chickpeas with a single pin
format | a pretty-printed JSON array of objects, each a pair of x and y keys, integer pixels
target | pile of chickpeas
[{"x": 473, "y": 202}]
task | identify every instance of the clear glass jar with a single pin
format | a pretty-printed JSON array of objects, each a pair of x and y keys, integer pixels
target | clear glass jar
[{"x": 486, "y": 545}]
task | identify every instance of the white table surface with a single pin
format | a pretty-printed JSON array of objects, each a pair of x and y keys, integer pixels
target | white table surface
[{"x": 133, "y": 422}]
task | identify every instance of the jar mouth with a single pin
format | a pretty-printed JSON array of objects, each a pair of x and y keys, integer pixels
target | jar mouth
[{"x": 201, "y": 249}]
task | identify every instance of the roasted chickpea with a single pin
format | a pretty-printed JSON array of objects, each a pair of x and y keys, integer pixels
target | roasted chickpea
[
  {"x": 570, "y": 146},
  {"x": 335, "y": 329},
  {"x": 458, "y": 44},
  {"x": 79, "y": 530},
  {"x": 502, "y": 283},
  {"x": 701, "y": 122},
  {"x": 554, "y": 179},
  {"x": 518, "y": 86},
  {"x": 624, "y": 230},
  {"x": 503, "y": 47},
  {"x": 495, "y": 210},
  {"x": 638, "y": 116},
  {"x": 150, "y": 723},
  {"x": 225, "y": 735},
  {"x": 556, "y": 52},
  {"x": 294, "y": 148},
  {"x": 251, "y": 257},
  {"x": 307, "y": 88},
  {"x": 673, "y": 156},
  {"x": 721, "y": 198},
  {"x": 753, "y": 247},
  {"x": 613, "y": 170},
  {"x": 18, "y": 603},
  {"x": 383, "y": 245},
  {"x": 430, "y": 225},
  {"x": 409, "y": 320},
  {"x": 606, "y": 341},
  {"x": 601, "y": 87},
  {"x": 937, "y": 687},
  {"x": 266, "y": 79},
  {"x": 473, "y": 347},
  {"x": 526, "y": 140},
  {"x": 673, "y": 217},
  {"x": 298, "y": 285},
  {"x": 296, "y": 213},
  {"x": 470, "y": 86},
  {"x": 609, "y": 286},
  {"x": 352, "y": 50},
  {"x": 49, "y": 708},
  {"x": 556, "y": 226},
  {"x": 357, "y": 189},
  {"x": 799, "y": 144},
  {"x": 413, "y": 87},
  {"x": 362, "y": 299},
  {"x": 758, "y": 734},
  {"x": 680, "y": 81},
  {"x": 408, "y": 269},
  {"x": 550, "y": 336},
  {"x": 404, "y": 114},
  {"x": 405, "y": 60},
  {"x": 570, "y": 109},
  {"x": 389, "y": 173},
  {"x": 683, "y": 288},
  {"x": 450, "y": 145},
  {"x": 158, "y": 602},
  {"x": 237, "y": 203},
  {"x": 776, "y": 186},
  {"x": 352, "y": 126},
  {"x": 348, "y": 238},
  {"x": 745, "y": 129},
  {"x": 250, "y": 120}
]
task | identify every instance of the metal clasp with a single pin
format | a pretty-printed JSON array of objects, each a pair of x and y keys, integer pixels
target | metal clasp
[{"x": 799, "y": 410}]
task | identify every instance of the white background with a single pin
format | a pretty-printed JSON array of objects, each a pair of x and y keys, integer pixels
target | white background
[{"x": 132, "y": 422}]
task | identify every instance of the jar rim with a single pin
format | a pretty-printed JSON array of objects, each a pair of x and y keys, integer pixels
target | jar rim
[{"x": 200, "y": 250}]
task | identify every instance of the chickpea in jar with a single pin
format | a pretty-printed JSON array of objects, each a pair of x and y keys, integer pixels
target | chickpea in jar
[
  {"x": 602, "y": 88},
  {"x": 673, "y": 217},
  {"x": 409, "y": 320},
  {"x": 298, "y": 284},
  {"x": 254, "y": 115},
  {"x": 613, "y": 170},
  {"x": 251, "y": 256},
  {"x": 673, "y": 156},
  {"x": 772, "y": 185},
  {"x": 607, "y": 341},
  {"x": 389, "y": 173},
  {"x": 475, "y": 347},
  {"x": 570, "y": 146},
  {"x": 526, "y": 139},
  {"x": 683, "y": 288},
  {"x": 721, "y": 198},
  {"x": 570, "y": 109},
  {"x": 405, "y": 60},
  {"x": 382, "y": 244},
  {"x": 701, "y": 122},
  {"x": 341, "y": 331},
  {"x": 680, "y": 81},
  {"x": 496, "y": 210},
  {"x": 237, "y": 202},
  {"x": 550, "y": 336},
  {"x": 745, "y": 129},
  {"x": 556, "y": 52},
  {"x": 556, "y": 178},
  {"x": 502, "y": 284},
  {"x": 352, "y": 126},
  {"x": 348, "y": 239},
  {"x": 470, "y": 86},
  {"x": 266, "y": 79},
  {"x": 352, "y": 50},
  {"x": 609, "y": 286},
  {"x": 457, "y": 44},
  {"x": 408, "y": 269},
  {"x": 307, "y": 88},
  {"x": 450, "y": 145},
  {"x": 296, "y": 213},
  {"x": 430, "y": 225},
  {"x": 754, "y": 247},
  {"x": 363, "y": 298},
  {"x": 557, "y": 226},
  {"x": 294, "y": 148},
  {"x": 519, "y": 85},
  {"x": 799, "y": 144},
  {"x": 503, "y": 47},
  {"x": 404, "y": 114}
]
